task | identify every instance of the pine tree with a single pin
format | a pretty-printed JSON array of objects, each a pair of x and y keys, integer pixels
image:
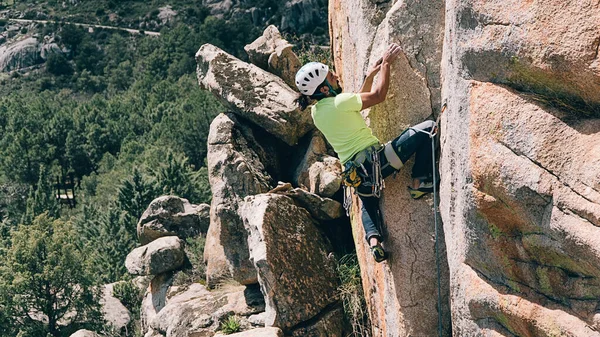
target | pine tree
[
  {"x": 41, "y": 199},
  {"x": 46, "y": 275},
  {"x": 135, "y": 194}
]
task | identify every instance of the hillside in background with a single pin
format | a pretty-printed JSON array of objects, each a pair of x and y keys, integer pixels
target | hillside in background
[{"x": 121, "y": 115}]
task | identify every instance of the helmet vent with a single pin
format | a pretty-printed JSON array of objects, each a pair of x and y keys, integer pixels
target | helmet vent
[
  {"x": 311, "y": 75},
  {"x": 317, "y": 72}
]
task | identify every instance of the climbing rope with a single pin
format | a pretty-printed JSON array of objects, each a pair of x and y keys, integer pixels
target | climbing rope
[{"x": 432, "y": 135}]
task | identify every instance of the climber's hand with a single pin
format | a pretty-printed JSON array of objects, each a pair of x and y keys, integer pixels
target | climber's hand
[
  {"x": 391, "y": 53},
  {"x": 375, "y": 68}
]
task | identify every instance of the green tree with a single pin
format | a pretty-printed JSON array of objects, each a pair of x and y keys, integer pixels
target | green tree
[
  {"x": 135, "y": 194},
  {"x": 176, "y": 177},
  {"x": 47, "y": 276},
  {"x": 58, "y": 65},
  {"x": 42, "y": 199},
  {"x": 107, "y": 237}
]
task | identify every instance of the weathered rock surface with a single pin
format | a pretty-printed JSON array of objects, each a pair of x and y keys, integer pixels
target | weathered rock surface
[
  {"x": 320, "y": 208},
  {"x": 21, "y": 54},
  {"x": 274, "y": 54},
  {"x": 331, "y": 324},
  {"x": 154, "y": 300},
  {"x": 172, "y": 216},
  {"x": 237, "y": 168},
  {"x": 197, "y": 311},
  {"x": 262, "y": 332},
  {"x": 520, "y": 199},
  {"x": 318, "y": 171},
  {"x": 157, "y": 257},
  {"x": 252, "y": 93},
  {"x": 114, "y": 312},
  {"x": 546, "y": 48},
  {"x": 300, "y": 286},
  {"x": 85, "y": 333},
  {"x": 401, "y": 293}
]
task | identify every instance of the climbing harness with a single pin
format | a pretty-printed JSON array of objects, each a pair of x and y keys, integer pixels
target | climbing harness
[{"x": 356, "y": 174}]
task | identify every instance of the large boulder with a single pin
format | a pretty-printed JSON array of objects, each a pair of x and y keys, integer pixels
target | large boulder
[
  {"x": 331, "y": 324},
  {"x": 85, "y": 333},
  {"x": 274, "y": 54},
  {"x": 319, "y": 172},
  {"x": 401, "y": 293},
  {"x": 114, "y": 312},
  {"x": 21, "y": 54},
  {"x": 521, "y": 197},
  {"x": 323, "y": 209},
  {"x": 295, "y": 272},
  {"x": 159, "y": 256},
  {"x": 253, "y": 93},
  {"x": 237, "y": 167},
  {"x": 196, "y": 311},
  {"x": 172, "y": 216},
  {"x": 261, "y": 332}
]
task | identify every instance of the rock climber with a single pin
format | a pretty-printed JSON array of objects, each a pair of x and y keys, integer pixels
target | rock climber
[{"x": 365, "y": 161}]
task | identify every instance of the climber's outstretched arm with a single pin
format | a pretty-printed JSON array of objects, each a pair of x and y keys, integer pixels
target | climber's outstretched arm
[
  {"x": 366, "y": 87},
  {"x": 379, "y": 92}
]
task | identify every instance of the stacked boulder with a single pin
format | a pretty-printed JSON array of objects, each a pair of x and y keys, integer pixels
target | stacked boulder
[
  {"x": 178, "y": 311},
  {"x": 263, "y": 233}
]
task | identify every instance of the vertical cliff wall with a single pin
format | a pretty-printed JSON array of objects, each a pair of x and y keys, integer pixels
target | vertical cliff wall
[
  {"x": 520, "y": 160},
  {"x": 520, "y": 163},
  {"x": 401, "y": 292}
]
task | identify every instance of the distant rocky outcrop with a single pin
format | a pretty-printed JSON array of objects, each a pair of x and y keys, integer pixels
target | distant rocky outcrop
[
  {"x": 21, "y": 54},
  {"x": 20, "y": 47}
]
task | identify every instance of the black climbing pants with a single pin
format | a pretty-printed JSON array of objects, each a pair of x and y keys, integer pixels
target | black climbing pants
[{"x": 408, "y": 143}]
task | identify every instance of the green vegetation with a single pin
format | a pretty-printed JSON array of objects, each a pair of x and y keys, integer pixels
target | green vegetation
[
  {"x": 352, "y": 295},
  {"x": 124, "y": 116},
  {"x": 231, "y": 325},
  {"x": 45, "y": 273}
]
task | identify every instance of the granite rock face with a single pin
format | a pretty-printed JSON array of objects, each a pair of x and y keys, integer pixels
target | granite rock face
[
  {"x": 274, "y": 54},
  {"x": 401, "y": 293},
  {"x": 520, "y": 192}
]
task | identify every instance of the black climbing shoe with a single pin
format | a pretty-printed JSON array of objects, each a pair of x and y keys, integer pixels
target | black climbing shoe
[
  {"x": 379, "y": 254},
  {"x": 424, "y": 188}
]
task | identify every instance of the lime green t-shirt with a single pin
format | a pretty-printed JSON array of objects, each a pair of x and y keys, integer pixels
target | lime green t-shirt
[{"x": 339, "y": 119}]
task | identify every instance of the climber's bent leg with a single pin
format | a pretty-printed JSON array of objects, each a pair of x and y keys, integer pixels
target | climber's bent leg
[{"x": 412, "y": 141}]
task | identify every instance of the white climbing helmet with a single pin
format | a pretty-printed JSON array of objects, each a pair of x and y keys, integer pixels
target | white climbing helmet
[{"x": 310, "y": 76}]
